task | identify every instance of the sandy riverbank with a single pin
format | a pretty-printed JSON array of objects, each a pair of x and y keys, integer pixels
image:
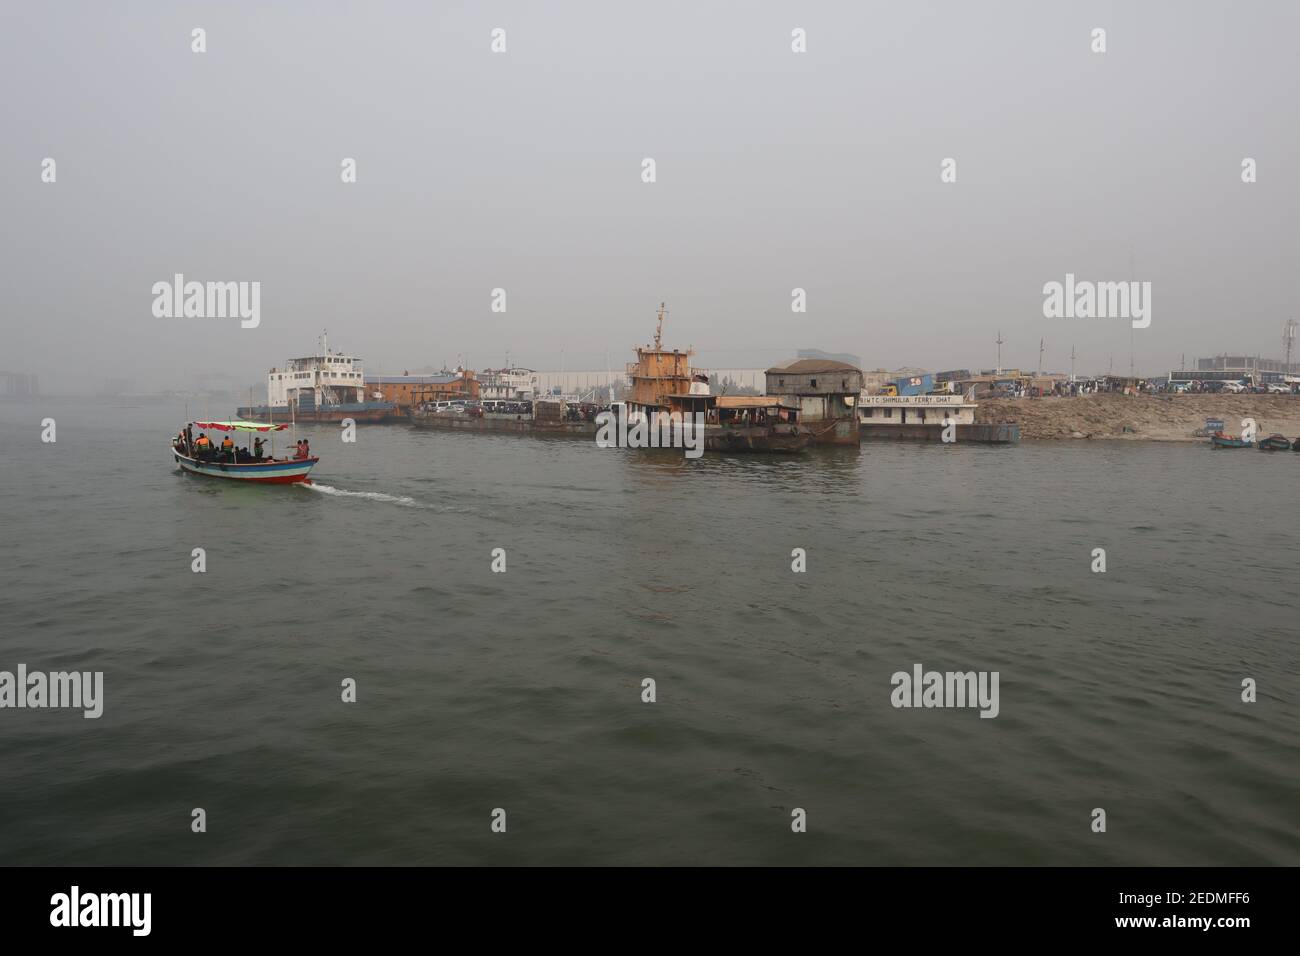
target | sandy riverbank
[{"x": 1143, "y": 417}]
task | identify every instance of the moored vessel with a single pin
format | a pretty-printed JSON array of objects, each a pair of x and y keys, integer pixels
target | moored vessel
[
  {"x": 326, "y": 387},
  {"x": 199, "y": 456},
  {"x": 663, "y": 384},
  {"x": 665, "y": 394}
]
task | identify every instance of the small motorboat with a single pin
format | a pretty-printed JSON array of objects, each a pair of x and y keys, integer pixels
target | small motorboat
[
  {"x": 238, "y": 464},
  {"x": 1220, "y": 440},
  {"x": 1274, "y": 443}
]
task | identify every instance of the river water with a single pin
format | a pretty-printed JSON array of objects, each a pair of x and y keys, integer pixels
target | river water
[{"x": 523, "y": 690}]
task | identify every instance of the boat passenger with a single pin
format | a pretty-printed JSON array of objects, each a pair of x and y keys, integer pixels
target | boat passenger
[
  {"x": 302, "y": 449},
  {"x": 228, "y": 448},
  {"x": 202, "y": 445},
  {"x": 257, "y": 449}
]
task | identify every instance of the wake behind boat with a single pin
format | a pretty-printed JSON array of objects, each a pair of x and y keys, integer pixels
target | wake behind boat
[{"x": 201, "y": 456}]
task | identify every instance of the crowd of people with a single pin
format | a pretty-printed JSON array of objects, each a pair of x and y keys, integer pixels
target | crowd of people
[{"x": 204, "y": 448}]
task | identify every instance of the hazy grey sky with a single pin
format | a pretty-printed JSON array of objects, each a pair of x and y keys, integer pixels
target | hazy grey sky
[{"x": 522, "y": 170}]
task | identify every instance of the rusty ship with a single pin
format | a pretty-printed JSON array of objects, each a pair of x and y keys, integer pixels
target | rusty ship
[{"x": 662, "y": 385}]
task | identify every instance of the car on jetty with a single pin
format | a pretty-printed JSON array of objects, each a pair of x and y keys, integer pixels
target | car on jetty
[{"x": 237, "y": 464}]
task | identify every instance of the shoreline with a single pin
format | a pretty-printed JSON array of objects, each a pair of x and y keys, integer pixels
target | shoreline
[{"x": 1156, "y": 418}]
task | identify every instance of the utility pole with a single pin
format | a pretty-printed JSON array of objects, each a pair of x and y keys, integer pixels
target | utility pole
[
  {"x": 1132, "y": 274},
  {"x": 999, "y": 372},
  {"x": 1040, "y": 359},
  {"x": 1071, "y": 364}
]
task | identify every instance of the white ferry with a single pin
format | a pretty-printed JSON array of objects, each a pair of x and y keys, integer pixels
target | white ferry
[{"x": 326, "y": 387}]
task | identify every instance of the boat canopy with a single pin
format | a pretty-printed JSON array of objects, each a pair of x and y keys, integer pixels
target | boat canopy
[{"x": 241, "y": 426}]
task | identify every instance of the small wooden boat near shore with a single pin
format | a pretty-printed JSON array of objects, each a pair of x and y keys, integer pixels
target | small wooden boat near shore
[
  {"x": 1275, "y": 443},
  {"x": 242, "y": 466},
  {"x": 1220, "y": 440}
]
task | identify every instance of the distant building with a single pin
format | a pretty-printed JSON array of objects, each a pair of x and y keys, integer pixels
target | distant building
[
  {"x": 507, "y": 384},
  {"x": 19, "y": 385},
  {"x": 844, "y": 357},
  {"x": 1232, "y": 363},
  {"x": 408, "y": 390},
  {"x": 1233, "y": 368},
  {"x": 827, "y": 391}
]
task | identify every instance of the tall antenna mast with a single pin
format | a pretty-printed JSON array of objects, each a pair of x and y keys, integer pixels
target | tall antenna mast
[
  {"x": 1040, "y": 359},
  {"x": 659, "y": 328},
  {"x": 1071, "y": 363},
  {"x": 999, "y": 372},
  {"x": 1288, "y": 339},
  {"x": 1132, "y": 283}
]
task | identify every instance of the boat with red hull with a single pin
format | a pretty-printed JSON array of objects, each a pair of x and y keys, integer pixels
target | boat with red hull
[{"x": 240, "y": 464}]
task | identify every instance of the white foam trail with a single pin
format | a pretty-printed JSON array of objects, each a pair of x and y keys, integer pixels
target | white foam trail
[{"x": 370, "y": 495}]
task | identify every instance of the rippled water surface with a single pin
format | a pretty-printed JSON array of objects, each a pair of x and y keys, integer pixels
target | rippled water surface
[{"x": 522, "y": 690}]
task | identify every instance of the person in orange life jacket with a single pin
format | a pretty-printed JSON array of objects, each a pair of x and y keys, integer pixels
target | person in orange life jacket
[{"x": 228, "y": 448}]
